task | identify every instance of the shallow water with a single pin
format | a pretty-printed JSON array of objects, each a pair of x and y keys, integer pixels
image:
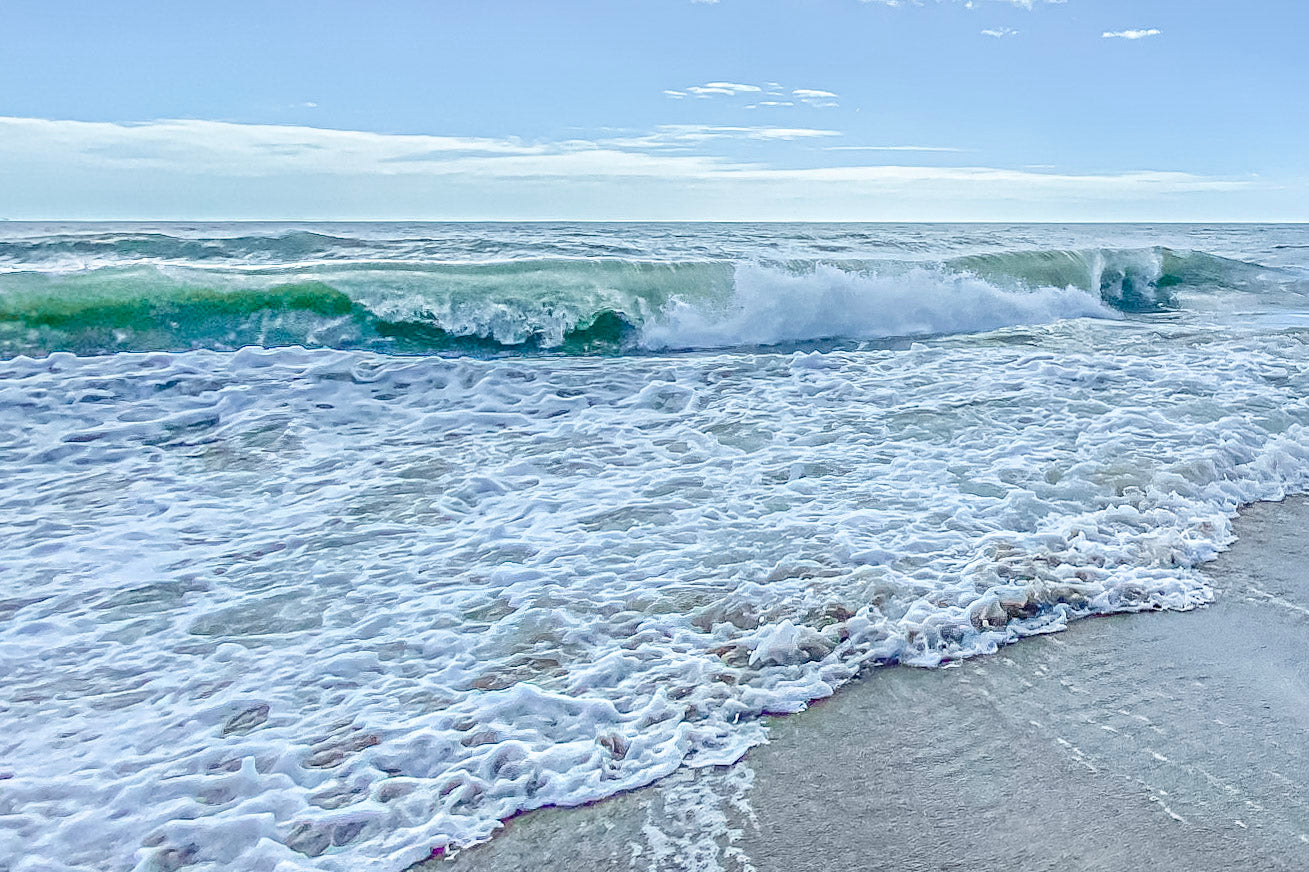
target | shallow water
[
  {"x": 358, "y": 591},
  {"x": 1172, "y": 743}
]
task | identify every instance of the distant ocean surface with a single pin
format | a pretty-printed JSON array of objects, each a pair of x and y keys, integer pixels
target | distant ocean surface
[{"x": 328, "y": 546}]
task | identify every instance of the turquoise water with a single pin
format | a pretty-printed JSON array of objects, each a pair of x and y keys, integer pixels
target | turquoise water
[{"x": 581, "y": 289}]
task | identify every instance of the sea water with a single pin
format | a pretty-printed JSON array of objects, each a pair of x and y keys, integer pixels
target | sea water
[{"x": 329, "y": 547}]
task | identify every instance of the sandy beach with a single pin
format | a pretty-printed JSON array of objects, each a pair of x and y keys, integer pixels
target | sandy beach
[{"x": 1171, "y": 741}]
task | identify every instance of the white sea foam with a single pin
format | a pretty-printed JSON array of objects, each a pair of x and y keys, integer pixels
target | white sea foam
[
  {"x": 775, "y": 307},
  {"x": 329, "y": 610}
]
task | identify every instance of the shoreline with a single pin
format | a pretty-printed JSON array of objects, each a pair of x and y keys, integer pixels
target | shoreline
[{"x": 1169, "y": 741}]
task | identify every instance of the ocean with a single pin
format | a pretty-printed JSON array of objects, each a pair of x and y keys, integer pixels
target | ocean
[{"x": 331, "y": 546}]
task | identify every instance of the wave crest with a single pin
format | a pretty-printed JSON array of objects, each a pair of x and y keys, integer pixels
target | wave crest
[
  {"x": 587, "y": 306},
  {"x": 772, "y": 307},
  {"x": 1129, "y": 280}
]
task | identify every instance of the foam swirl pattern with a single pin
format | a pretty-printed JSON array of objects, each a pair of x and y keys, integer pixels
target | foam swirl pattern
[{"x": 325, "y": 609}]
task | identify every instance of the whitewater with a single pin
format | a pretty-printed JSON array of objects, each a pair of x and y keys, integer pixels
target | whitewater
[{"x": 332, "y": 546}]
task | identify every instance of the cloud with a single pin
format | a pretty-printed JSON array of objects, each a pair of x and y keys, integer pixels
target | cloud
[
  {"x": 253, "y": 150},
  {"x": 1000, "y": 32},
  {"x": 221, "y": 146},
  {"x": 213, "y": 169},
  {"x": 721, "y": 89},
  {"x": 1130, "y": 34},
  {"x": 702, "y": 133},
  {"x": 685, "y": 136},
  {"x": 709, "y": 90},
  {"x": 256, "y": 150},
  {"x": 815, "y": 97}
]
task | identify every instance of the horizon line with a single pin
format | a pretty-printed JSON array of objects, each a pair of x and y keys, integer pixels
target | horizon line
[{"x": 980, "y": 221}]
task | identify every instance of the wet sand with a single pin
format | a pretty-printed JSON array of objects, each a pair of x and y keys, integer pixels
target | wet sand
[{"x": 1172, "y": 741}]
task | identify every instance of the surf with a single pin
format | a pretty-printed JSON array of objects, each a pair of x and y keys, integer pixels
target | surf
[{"x": 569, "y": 306}]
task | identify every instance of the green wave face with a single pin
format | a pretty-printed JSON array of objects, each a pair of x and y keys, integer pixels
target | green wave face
[
  {"x": 584, "y": 306},
  {"x": 1129, "y": 280},
  {"x": 564, "y": 307}
]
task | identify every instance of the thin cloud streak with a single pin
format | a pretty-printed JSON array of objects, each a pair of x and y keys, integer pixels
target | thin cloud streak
[
  {"x": 721, "y": 89},
  {"x": 814, "y": 97},
  {"x": 1130, "y": 34}
]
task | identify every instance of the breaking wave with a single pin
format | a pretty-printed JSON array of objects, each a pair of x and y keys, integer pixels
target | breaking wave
[{"x": 605, "y": 306}]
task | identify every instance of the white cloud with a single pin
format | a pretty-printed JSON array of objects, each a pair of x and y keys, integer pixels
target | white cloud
[
  {"x": 243, "y": 149},
  {"x": 807, "y": 96},
  {"x": 246, "y": 150},
  {"x": 211, "y": 169},
  {"x": 721, "y": 89},
  {"x": 700, "y": 133},
  {"x": 685, "y": 136},
  {"x": 815, "y": 97},
  {"x": 1000, "y": 32},
  {"x": 1130, "y": 34}
]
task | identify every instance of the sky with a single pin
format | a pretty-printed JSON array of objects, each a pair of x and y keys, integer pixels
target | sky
[{"x": 878, "y": 110}]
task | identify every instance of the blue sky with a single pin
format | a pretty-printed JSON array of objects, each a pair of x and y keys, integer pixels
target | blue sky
[{"x": 656, "y": 109}]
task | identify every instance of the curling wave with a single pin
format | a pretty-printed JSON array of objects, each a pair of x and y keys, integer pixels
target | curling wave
[{"x": 607, "y": 306}]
